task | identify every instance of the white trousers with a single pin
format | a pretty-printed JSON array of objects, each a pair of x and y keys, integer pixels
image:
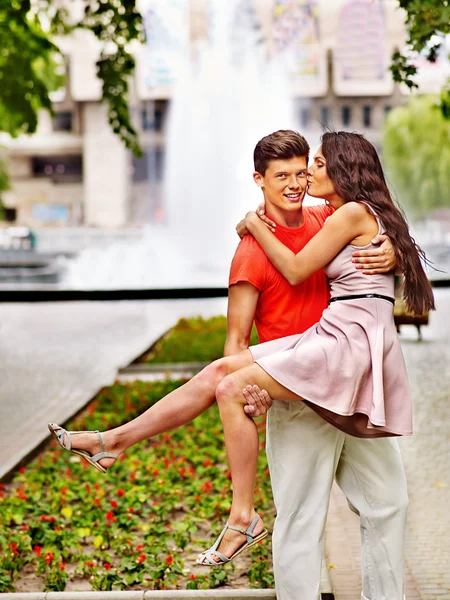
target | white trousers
[{"x": 305, "y": 454}]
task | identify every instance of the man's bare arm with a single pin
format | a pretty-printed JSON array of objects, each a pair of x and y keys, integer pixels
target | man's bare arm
[
  {"x": 376, "y": 260},
  {"x": 242, "y": 301}
]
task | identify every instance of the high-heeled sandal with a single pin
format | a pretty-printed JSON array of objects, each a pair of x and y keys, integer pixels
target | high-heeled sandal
[
  {"x": 207, "y": 557},
  {"x": 63, "y": 437}
]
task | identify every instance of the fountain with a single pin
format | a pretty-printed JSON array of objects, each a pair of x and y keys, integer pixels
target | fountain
[{"x": 227, "y": 96}]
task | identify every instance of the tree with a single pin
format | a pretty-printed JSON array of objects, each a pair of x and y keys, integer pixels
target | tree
[
  {"x": 427, "y": 24},
  {"x": 4, "y": 186},
  {"x": 29, "y": 58},
  {"x": 416, "y": 154}
]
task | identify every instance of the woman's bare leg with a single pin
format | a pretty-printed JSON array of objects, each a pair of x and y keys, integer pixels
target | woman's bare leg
[
  {"x": 174, "y": 410},
  {"x": 242, "y": 444}
]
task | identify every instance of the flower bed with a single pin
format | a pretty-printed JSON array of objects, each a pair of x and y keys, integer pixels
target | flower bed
[
  {"x": 63, "y": 525},
  {"x": 192, "y": 340}
]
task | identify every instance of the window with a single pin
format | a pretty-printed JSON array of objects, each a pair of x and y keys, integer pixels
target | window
[
  {"x": 324, "y": 115},
  {"x": 346, "y": 116},
  {"x": 367, "y": 116},
  {"x": 149, "y": 167},
  {"x": 152, "y": 118},
  {"x": 387, "y": 110},
  {"x": 58, "y": 168},
  {"x": 62, "y": 121},
  {"x": 304, "y": 117}
]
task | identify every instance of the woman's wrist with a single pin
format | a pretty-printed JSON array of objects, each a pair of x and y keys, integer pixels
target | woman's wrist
[{"x": 251, "y": 220}]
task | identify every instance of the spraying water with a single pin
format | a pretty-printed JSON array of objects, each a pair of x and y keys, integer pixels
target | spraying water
[{"x": 228, "y": 95}]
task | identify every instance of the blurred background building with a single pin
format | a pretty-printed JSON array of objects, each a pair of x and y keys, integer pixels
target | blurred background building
[{"x": 75, "y": 171}]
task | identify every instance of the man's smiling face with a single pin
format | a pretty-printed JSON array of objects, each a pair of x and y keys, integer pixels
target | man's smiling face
[{"x": 284, "y": 183}]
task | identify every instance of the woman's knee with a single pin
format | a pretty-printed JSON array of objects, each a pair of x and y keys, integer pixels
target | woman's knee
[
  {"x": 215, "y": 372},
  {"x": 227, "y": 390}
]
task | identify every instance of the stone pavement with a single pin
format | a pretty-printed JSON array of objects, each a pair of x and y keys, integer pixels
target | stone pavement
[
  {"x": 426, "y": 455},
  {"x": 54, "y": 357}
]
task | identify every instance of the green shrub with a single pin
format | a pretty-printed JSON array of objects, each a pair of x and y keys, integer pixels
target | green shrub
[{"x": 192, "y": 340}]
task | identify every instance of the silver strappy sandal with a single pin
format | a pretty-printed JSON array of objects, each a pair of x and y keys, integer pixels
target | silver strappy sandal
[
  {"x": 207, "y": 558},
  {"x": 62, "y": 436}
]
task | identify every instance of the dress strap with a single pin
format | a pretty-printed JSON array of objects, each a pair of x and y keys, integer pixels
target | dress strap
[{"x": 381, "y": 229}]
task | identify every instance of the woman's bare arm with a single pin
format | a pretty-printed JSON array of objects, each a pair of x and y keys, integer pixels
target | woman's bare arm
[{"x": 344, "y": 225}]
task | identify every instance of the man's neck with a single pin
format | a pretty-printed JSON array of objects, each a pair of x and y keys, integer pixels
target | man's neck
[{"x": 286, "y": 218}]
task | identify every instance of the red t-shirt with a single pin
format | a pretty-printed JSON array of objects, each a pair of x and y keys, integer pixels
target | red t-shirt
[{"x": 283, "y": 309}]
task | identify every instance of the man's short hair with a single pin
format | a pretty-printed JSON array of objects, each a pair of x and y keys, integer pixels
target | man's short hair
[{"x": 282, "y": 144}]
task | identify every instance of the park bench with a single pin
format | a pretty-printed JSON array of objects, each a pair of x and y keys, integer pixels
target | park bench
[{"x": 401, "y": 314}]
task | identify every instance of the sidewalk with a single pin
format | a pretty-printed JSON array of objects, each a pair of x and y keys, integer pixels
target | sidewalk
[
  {"x": 343, "y": 552},
  {"x": 427, "y": 464},
  {"x": 54, "y": 357}
]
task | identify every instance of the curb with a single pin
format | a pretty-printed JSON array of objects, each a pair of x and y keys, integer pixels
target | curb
[
  {"x": 162, "y": 367},
  {"x": 141, "y": 595}
]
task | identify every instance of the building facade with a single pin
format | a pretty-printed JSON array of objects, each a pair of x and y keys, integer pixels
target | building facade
[{"x": 75, "y": 171}]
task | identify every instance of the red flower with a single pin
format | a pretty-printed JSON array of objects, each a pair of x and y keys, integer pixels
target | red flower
[
  {"x": 193, "y": 577},
  {"x": 114, "y": 504},
  {"x": 97, "y": 502},
  {"x": 110, "y": 516},
  {"x": 20, "y": 493},
  {"x": 131, "y": 510},
  {"x": 197, "y": 498},
  {"x": 120, "y": 493},
  {"x": 139, "y": 547},
  {"x": 169, "y": 560},
  {"x": 58, "y": 529},
  {"x": 155, "y": 471},
  {"x": 141, "y": 558},
  {"x": 107, "y": 566},
  {"x": 13, "y": 546},
  {"x": 207, "y": 463},
  {"x": 22, "y": 470},
  {"x": 207, "y": 487},
  {"x": 49, "y": 557},
  {"x": 62, "y": 566},
  {"x": 89, "y": 563},
  {"x": 87, "y": 487}
]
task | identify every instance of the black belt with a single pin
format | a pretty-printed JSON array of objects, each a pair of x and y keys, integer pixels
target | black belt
[{"x": 356, "y": 296}]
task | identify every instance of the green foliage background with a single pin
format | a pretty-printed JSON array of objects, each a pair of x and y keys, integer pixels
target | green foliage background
[{"x": 416, "y": 153}]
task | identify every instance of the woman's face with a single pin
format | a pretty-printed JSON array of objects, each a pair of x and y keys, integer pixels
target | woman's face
[{"x": 319, "y": 184}]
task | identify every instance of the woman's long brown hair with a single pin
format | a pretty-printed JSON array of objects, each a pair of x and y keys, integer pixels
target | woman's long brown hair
[{"x": 357, "y": 175}]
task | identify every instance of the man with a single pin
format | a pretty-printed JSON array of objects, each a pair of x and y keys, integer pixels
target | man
[{"x": 305, "y": 452}]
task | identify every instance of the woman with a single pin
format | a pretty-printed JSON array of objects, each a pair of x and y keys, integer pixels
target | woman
[{"x": 349, "y": 367}]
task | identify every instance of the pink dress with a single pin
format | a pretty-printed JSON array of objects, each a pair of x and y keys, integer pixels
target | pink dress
[{"x": 349, "y": 367}]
